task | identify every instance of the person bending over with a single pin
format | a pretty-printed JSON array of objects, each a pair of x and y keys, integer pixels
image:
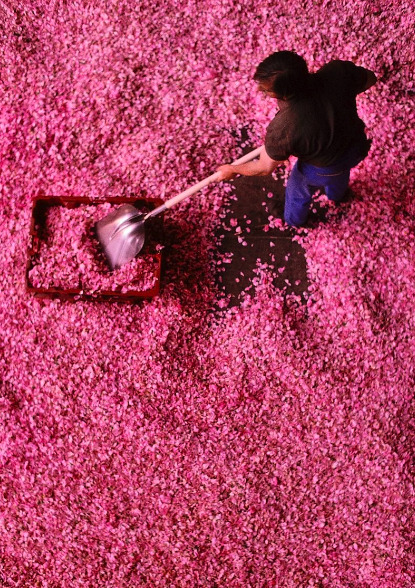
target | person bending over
[{"x": 317, "y": 122}]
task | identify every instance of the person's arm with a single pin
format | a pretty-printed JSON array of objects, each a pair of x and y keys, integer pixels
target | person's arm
[
  {"x": 358, "y": 78},
  {"x": 363, "y": 78},
  {"x": 260, "y": 167},
  {"x": 370, "y": 81}
]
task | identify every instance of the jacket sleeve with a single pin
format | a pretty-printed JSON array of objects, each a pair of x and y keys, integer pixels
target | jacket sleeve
[
  {"x": 277, "y": 139},
  {"x": 357, "y": 77}
]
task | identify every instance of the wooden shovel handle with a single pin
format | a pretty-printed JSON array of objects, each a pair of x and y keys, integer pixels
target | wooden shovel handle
[
  {"x": 193, "y": 189},
  {"x": 213, "y": 178}
]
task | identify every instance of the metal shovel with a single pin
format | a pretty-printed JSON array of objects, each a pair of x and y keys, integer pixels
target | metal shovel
[{"x": 122, "y": 232}]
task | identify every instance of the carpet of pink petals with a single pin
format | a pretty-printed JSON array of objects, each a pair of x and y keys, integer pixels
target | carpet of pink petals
[{"x": 170, "y": 443}]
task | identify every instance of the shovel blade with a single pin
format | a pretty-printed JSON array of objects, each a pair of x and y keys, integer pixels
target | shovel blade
[{"x": 121, "y": 235}]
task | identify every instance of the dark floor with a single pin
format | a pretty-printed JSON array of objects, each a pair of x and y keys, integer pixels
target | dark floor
[{"x": 245, "y": 238}]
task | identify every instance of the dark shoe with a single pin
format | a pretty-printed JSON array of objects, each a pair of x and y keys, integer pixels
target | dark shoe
[{"x": 348, "y": 196}]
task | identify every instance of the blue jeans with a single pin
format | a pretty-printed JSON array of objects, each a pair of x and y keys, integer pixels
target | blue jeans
[{"x": 306, "y": 178}]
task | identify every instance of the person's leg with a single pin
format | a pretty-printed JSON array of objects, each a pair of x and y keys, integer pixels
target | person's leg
[
  {"x": 335, "y": 187},
  {"x": 297, "y": 198},
  {"x": 305, "y": 177},
  {"x": 335, "y": 178}
]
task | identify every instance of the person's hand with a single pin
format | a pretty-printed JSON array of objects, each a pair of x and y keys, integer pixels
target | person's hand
[{"x": 226, "y": 172}]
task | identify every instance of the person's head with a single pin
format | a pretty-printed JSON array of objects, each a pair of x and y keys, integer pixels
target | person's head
[{"x": 282, "y": 75}]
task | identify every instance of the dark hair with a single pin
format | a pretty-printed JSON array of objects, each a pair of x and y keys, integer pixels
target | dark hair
[{"x": 286, "y": 71}]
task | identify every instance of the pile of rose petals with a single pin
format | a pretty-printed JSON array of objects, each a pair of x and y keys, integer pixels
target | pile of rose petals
[
  {"x": 70, "y": 258},
  {"x": 179, "y": 442}
]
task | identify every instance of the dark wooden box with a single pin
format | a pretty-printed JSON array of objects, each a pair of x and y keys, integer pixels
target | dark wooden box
[{"x": 41, "y": 205}]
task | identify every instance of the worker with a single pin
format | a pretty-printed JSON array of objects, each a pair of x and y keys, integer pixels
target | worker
[{"x": 317, "y": 122}]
